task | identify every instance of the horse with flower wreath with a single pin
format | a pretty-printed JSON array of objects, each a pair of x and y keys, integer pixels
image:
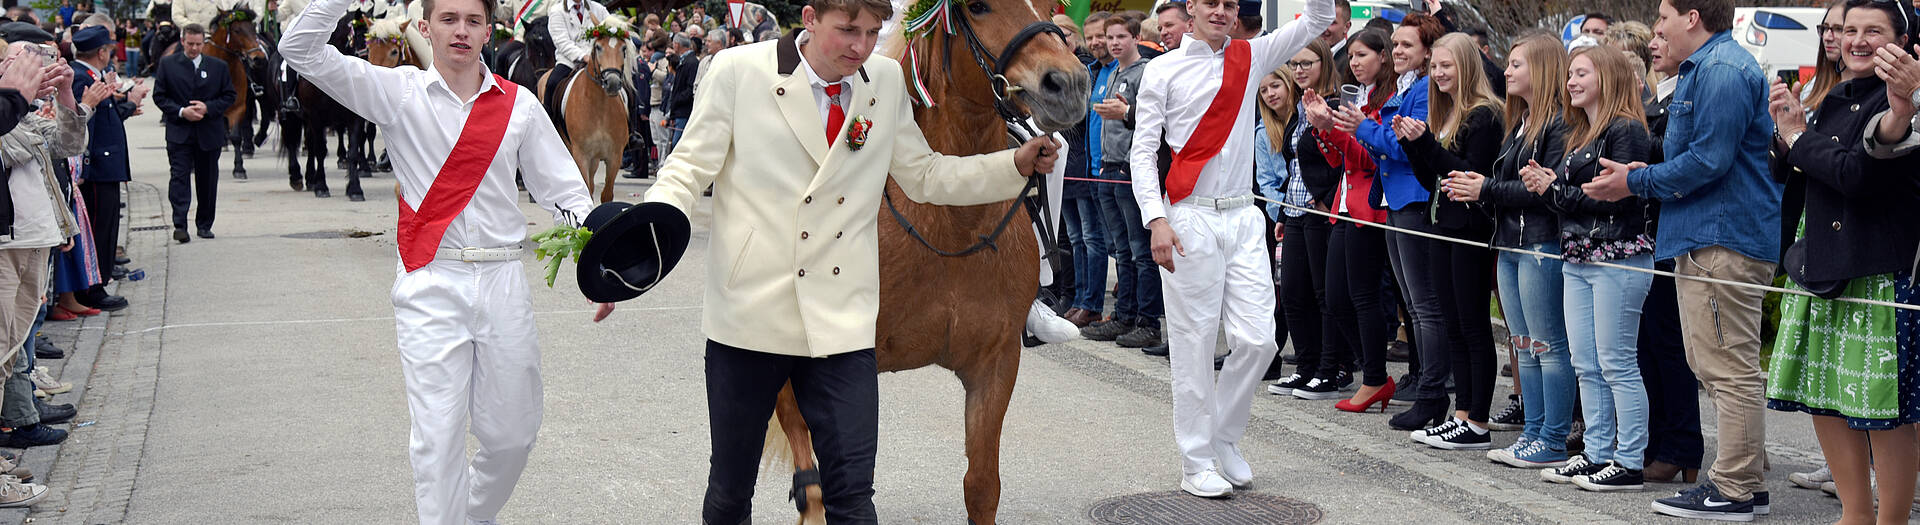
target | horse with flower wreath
[
  {"x": 594, "y": 102},
  {"x": 956, "y": 282}
]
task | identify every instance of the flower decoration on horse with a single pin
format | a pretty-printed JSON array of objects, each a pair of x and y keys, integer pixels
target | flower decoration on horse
[{"x": 609, "y": 28}]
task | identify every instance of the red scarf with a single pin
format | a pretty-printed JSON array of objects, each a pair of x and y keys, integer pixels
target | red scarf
[
  {"x": 1215, "y": 125},
  {"x": 451, "y": 190}
]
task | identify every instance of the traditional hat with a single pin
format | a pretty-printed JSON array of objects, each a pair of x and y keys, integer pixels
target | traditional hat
[{"x": 633, "y": 247}]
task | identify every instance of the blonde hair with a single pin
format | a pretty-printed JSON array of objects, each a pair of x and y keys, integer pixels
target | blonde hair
[
  {"x": 1547, "y": 70},
  {"x": 1618, "y": 97},
  {"x": 1446, "y": 111},
  {"x": 1277, "y": 119}
]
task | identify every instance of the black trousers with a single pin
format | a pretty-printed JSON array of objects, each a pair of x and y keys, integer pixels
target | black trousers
[
  {"x": 1355, "y": 256},
  {"x": 1465, "y": 290},
  {"x": 1303, "y": 292},
  {"x": 103, "y": 211},
  {"x": 1673, "y": 398},
  {"x": 195, "y": 177},
  {"x": 838, "y": 395}
]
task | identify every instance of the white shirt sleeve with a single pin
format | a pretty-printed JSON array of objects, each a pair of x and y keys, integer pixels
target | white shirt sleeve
[
  {"x": 1148, "y": 132},
  {"x": 1276, "y": 48},
  {"x": 366, "y": 90}
]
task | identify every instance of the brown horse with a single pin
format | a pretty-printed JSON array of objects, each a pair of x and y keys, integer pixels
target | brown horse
[
  {"x": 387, "y": 45},
  {"x": 595, "y": 105},
  {"x": 233, "y": 40},
  {"x": 964, "y": 313}
]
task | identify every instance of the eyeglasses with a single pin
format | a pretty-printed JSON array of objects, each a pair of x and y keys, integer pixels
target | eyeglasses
[
  {"x": 1825, "y": 29},
  {"x": 1301, "y": 64}
]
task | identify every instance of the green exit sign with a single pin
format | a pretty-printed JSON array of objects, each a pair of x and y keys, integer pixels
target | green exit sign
[{"x": 1362, "y": 12}]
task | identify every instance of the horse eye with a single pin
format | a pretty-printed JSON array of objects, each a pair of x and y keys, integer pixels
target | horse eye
[{"x": 979, "y": 8}]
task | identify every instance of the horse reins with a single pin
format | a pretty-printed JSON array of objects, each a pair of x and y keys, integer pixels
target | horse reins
[{"x": 995, "y": 67}]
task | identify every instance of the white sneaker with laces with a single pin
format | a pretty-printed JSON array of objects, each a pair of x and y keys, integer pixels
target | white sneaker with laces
[
  {"x": 1420, "y": 436},
  {"x": 1233, "y": 466},
  {"x": 13, "y": 493},
  {"x": 1206, "y": 484},
  {"x": 45, "y": 382},
  {"x": 1811, "y": 480}
]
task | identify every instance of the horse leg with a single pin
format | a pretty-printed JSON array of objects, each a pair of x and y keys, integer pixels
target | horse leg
[
  {"x": 989, "y": 385},
  {"x": 612, "y": 168},
  {"x": 586, "y": 169},
  {"x": 317, "y": 160},
  {"x": 806, "y": 475},
  {"x": 239, "y": 159},
  {"x": 356, "y": 162}
]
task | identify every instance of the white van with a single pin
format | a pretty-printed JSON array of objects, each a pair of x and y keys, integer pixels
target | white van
[{"x": 1785, "y": 40}]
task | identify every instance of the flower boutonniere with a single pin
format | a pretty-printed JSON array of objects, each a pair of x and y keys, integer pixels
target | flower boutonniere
[{"x": 857, "y": 132}]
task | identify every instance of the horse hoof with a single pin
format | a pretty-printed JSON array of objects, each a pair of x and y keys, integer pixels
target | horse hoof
[
  {"x": 355, "y": 197},
  {"x": 297, "y": 186},
  {"x": 239, "y": 175},
  {"x": 322, "y": 193}
]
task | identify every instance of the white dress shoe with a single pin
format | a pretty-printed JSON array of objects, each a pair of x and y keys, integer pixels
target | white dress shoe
[
  {"x": 1206, "y": 484},
  {"x": 1233, "y": 466}
]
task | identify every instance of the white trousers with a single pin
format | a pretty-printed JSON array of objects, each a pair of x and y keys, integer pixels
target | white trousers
[
  {"x": 1225, "y": 277},
  {"x": 469, "y": 352}
]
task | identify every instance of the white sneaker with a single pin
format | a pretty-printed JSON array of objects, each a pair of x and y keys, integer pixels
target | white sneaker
[
  {"x": 45, "y": 382},
  {"x": 1811, "y": 480},
  {"x": 1049, "y": 327},
  {"x": 1233, "y": 466},
  {"x": 1206, "y": 484},
  {"x": 13, "y": 493}
]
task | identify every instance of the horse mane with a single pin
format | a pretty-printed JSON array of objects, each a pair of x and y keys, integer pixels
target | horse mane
[{"x": 391, "y": 28}]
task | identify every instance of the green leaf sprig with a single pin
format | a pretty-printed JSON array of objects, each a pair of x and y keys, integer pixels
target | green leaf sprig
[{"x": 557, "y": 244}]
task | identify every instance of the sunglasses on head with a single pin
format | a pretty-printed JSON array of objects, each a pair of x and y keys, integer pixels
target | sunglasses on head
[{"x": 1906, "y": 20}]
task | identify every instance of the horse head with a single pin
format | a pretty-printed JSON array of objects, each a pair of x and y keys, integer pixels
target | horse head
[
  {"x": 387, "y": 43},
  {"x": 610, "y": 59},
  {"x": 235, "y": 34},
  {"x": 1016, "y": 56}
]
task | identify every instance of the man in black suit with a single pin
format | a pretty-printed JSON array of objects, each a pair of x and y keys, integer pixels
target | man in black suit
[
  {"x": 106, "y": 165},
  {"x": 192, "y": 90}
]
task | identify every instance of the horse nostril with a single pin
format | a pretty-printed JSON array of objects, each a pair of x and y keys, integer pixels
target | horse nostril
[{"x": 1053, "y": 82}]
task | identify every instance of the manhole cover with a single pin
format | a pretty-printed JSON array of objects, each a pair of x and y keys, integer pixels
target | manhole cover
[
  {"x": 1177, "y": 507},
  {"x": 331, "y": 234}
]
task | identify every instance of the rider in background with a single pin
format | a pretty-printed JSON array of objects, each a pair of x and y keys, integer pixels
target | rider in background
[{"x": 566, "y": 22}]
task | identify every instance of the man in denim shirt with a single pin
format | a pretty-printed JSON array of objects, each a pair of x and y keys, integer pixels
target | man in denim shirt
[{"x": 1718, "y": 218}]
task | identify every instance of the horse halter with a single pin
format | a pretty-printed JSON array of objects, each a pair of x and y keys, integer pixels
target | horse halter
[{"x": 995, "y": 67}]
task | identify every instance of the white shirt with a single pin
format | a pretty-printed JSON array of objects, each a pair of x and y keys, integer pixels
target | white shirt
[
  {"x": 820, "y": 97},
  {"x": 1175, "y": 92},
  {"x": 421, "y": 119}
]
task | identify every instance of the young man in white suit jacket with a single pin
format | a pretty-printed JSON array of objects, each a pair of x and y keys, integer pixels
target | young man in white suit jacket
[{"x": 798, "y": 137}]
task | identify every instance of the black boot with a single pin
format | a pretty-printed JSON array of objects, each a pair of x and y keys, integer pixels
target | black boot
[{"x": 1424, "y": 414}]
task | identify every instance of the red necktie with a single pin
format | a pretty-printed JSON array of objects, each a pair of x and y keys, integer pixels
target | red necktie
[{"x": 835, "y": 116}]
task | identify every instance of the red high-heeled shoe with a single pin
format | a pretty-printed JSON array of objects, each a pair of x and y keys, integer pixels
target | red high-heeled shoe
[{"x": 1382, "y": 397}]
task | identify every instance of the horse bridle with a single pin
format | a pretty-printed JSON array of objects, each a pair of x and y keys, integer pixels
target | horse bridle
[{"x": 995, "y": 67}]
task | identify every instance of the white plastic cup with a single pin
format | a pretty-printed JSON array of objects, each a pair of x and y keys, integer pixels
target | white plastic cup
[{"x": 1353, "y": 95}]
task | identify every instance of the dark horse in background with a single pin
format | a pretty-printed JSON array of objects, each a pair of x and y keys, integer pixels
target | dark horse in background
[
  {"x": 523, "y": 62},
  {"x": 311, "y": 116},
  {"x": 234, "y": 40}
]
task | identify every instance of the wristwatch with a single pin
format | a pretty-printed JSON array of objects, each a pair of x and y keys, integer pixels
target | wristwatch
[{"x": 1795, "y": 137}]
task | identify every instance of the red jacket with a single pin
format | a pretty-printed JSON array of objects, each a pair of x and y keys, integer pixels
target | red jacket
[{"x": 1343, "y": 151}]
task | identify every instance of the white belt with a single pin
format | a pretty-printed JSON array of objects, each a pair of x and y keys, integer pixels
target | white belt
[
  {"x": 480, "y": 254},
  {"x": 1220, "y": 204}
]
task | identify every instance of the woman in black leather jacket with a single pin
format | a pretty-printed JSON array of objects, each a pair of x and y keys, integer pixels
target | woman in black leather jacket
[
  {"x": 1529, "y": 285},
  {"x": 1465, "y": 136},
  {"x": 1604, "y": 119},
  {"x": 1852, "y": 366}
]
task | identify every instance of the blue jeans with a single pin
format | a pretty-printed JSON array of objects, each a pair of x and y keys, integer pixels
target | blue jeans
[
  {"x": 679, "y": 127},
  {"x": 1126, "y": 304},
  {"x": 1530, "y": 296},
  {"x": 1087, "y": 233},
  {"x": 1603, "y": 329},
  {"x": 1146, "y": 274}
]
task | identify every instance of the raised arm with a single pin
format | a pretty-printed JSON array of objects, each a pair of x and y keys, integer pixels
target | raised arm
[
  {"x": 1276, "y": 48},
  {"x": 371, "y": 92},
  {"x": 1148, "y": 135}
]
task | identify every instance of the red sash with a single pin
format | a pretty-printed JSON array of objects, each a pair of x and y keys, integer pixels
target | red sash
[
  {"x": 453, "y": 187},
  {"x": 1215, "y": 125}
]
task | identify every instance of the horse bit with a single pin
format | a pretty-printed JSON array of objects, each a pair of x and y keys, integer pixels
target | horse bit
[{"x": 995, "y": 67}]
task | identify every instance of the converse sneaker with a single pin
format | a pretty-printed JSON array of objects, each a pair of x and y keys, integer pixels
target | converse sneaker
[
  {"x": 1612, "y": 478},
  {"x": 45, "y": 382},
  {"x": 1535, "y": 455},
  {"x": 1513, "y": 417},
  {"x": 1762, "y": 504},
  {"x": 1575, "y": 466},
  {"x": 1811, "y": 480},
  {"x": 14, "y": 493},
  {"x": 1286, "y": 386},
  {"x": 1704, "y": 502},
  {"x": 1321, "y": 388},
  {"x": 1508, "y": 451},
  {"x": 1420, "y": 436},
  {"x": 1462, "y": 436}
]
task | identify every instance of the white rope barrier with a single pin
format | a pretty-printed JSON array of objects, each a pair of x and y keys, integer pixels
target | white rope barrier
[{"x": 1887, "y": 304}]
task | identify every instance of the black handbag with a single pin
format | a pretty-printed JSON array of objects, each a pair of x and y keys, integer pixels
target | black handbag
[{"x": 1795, "y": 264}]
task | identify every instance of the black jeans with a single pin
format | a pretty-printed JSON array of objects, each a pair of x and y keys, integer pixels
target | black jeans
[
  {"x": 1673, "y": 398},
  {"x": 1355, "y": 255},
  {"x": 1303, "y": 295},
  {"x": 838, "y": 395},
  {"x": 1419, "y": 263},
  {"x": 195, "y": 176},
  {"x": 1465, "y": 286}
]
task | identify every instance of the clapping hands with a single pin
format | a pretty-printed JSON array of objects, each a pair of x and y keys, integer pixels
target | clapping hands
[
  {"x": 1537, "y": 178},
  {"x": 1408, "y": 128}
]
